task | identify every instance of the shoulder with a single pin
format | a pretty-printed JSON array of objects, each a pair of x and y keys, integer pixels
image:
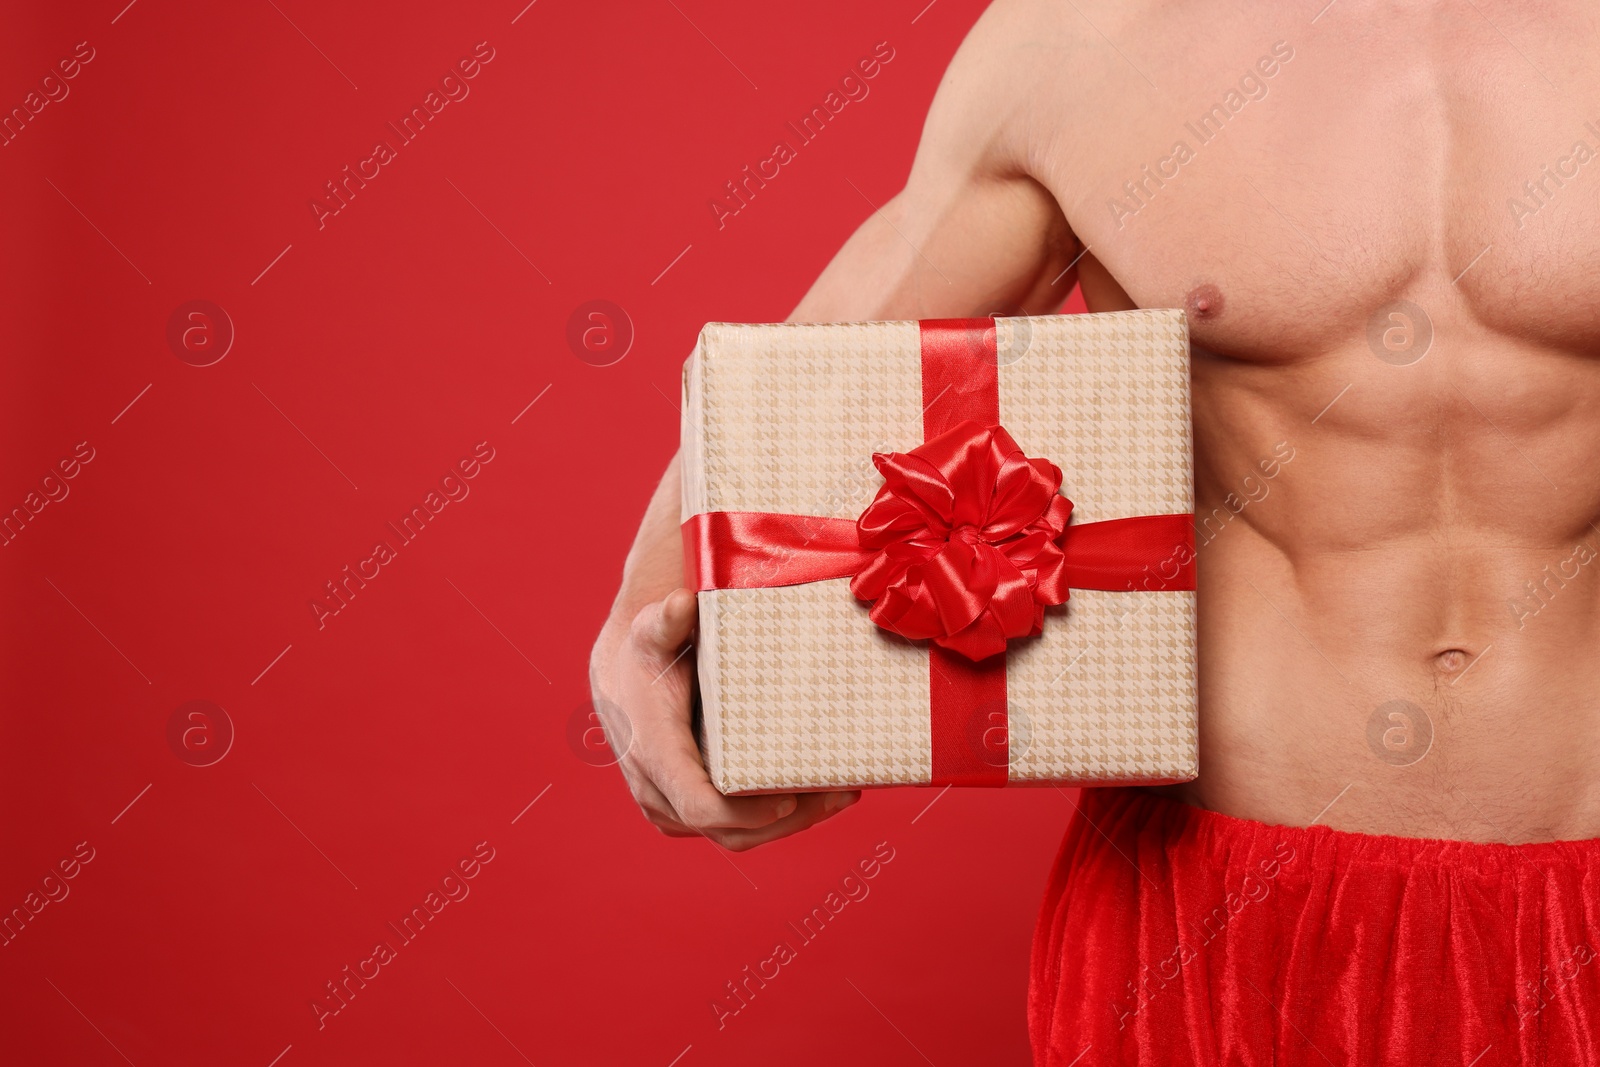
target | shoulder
[{"x": 1031, "y": 72}]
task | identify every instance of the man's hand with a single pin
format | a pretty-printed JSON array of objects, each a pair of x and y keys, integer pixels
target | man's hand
[{"x": 640, "y": 672}]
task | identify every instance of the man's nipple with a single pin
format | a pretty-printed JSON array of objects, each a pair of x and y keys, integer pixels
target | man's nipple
[{"x": 1204, "y": 302}]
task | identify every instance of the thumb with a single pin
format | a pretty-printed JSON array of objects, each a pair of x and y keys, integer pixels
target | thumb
[{"x": 664, "y": 626}]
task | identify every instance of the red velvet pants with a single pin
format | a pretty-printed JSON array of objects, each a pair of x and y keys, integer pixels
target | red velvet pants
[{"x": 1171, "y": 935}]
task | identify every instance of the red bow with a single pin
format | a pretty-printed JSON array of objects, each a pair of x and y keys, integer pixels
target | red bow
[{"x": 965, "y": 532}]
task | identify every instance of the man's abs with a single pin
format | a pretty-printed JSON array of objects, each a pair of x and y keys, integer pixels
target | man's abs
[{"x": 1400, "y": 593}]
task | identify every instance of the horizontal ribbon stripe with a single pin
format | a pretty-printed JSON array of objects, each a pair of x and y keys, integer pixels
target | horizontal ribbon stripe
[
  {"x": 1149, "y": 552},
  {"x": 766, "y": 550}
]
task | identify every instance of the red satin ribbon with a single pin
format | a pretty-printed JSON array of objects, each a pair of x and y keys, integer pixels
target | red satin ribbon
[
  {"x": 960, "y": 384},
  {"x": 763, "y": 550},
  {"x": 766, "y": 550}
]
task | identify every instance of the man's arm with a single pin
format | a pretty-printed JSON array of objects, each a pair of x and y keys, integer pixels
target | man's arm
[{"x": 970, "y": 234}]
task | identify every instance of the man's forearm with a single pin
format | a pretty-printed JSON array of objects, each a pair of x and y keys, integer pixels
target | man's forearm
[{"x": 654, "y": 566}]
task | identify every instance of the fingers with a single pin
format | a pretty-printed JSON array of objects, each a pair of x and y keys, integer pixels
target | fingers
[
  {"x": 671, "y": 762},
  {"x": 657, "y": 811},
  {"x": 662, "y": 628},
  {"x": 671, "y": 785},
  {"x": 698, "y": 805},
  {"x": 679, "y": 613},
  {"x": 812, "y": 809},
  {"x": 680, "y": 801},
  {"x": 834, "y": 803},
  {"x": 663, "y": 764}
]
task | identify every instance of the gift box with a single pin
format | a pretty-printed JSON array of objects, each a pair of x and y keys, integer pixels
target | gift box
[{"x": 953, "y": 552}]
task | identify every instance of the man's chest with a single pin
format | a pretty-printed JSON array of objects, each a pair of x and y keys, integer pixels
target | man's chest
[{"x": 1302, "y": 176}]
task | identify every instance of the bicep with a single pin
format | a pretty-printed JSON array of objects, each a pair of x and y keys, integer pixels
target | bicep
[{"x": 972, "y": 232}]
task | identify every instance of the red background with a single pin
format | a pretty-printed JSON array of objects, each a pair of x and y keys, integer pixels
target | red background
[{"x": 374, "y": 353}]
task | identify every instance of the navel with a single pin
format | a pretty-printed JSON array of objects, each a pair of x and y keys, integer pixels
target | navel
[
  {"x": 1204, "y": 302},
  {"x": 1452, "y": 660}
]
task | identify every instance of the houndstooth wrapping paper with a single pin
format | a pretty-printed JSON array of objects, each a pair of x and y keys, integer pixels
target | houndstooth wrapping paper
[{"x": 799, "y": 689}]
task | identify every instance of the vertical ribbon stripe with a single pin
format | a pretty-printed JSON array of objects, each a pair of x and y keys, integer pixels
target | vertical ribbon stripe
[
  {"x": 967, "y": 700},
  {"x": 960, "y": 374}
]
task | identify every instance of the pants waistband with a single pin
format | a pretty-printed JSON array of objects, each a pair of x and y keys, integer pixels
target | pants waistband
[{"x": 1226, "y": 836}]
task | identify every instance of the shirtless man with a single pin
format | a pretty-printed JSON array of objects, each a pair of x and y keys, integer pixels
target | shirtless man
[{"x": 1380, "y": 219}]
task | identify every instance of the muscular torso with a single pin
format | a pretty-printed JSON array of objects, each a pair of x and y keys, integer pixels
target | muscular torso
[{"x": 1396, "y": 502}]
